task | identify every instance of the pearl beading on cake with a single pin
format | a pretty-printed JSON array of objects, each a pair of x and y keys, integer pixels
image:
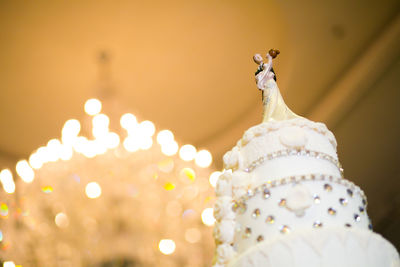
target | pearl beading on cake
[
  {"x": 239, "y": 205},
  {"x": 294, "y": 152}
]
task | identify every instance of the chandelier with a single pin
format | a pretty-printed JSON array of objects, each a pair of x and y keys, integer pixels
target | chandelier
[{"x": 129, "y": 196}]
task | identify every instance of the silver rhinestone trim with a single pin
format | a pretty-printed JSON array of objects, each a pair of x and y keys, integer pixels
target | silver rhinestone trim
[
  {"x": 294, "y": 152},
  {"x": 239, "y": 205}
]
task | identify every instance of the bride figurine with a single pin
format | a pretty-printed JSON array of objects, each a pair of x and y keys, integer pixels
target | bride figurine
[{"x": 275, "y": 108}]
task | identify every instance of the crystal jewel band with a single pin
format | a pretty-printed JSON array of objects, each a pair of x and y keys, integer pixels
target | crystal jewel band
[
  {"x": 239, "y": 205},
  {"x": 294, "y": 152}
]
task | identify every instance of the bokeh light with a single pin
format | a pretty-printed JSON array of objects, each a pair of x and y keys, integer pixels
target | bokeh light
[
  {"x": 53, "y": 150},
  {"x": 167, "y": 246},
  {"x": 165, "y": 136},
  {"x": 147, "y": 128},
  {"x": 93, "y": 190},
  {"x": 128, "y": 121},
  {"x": 25, "y": 171},
  {"x": 8, "y": 264},
  {"x": 47, "y": 189},
  {"x": 131, "y": 144},
  {"x": 101, "y": 121},
  {"x": 61, "y": 220},
  {"x": 3, "y": 210},
  {"x": 112, "y": 140},
  {"x": 207, "y": 216},
  {"x": 92, "y": 106},
  {"x": 187, "y": 152},
  {"x": 70, "y": 131},
  {"x": 203, "y": 158},
  {"x": 187, "y": 174},
  {"x": 169, "y": 186},
  {"x": 146, "y": 143},
  {"x": 166, "y": 165},
  {"x": 66, "y": 152},
  {"x": 214, "y": 178},
  {"x": 35, "y": 161},
  {"x": 169, "y": 148},
  {"x": 7, "y": 181}
]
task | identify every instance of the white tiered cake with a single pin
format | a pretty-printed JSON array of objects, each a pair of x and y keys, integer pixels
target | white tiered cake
[{"x": 282, "y": 200}]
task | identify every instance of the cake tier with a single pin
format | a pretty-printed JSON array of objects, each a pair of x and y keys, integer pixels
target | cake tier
[
  {"x": 331, "y": 247},
  {"x": 295, "y": 204},
  {"x": 275, "y": 140}
]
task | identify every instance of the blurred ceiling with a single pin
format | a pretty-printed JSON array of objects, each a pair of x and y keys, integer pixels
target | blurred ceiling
[{"x": 187, "y": 66}]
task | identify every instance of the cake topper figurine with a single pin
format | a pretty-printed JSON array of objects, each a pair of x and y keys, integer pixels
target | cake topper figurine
[{"x": 275, "y": 108}]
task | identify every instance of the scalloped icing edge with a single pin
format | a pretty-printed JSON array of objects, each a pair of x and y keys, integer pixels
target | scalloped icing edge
[{"x": 266, "y": 127}]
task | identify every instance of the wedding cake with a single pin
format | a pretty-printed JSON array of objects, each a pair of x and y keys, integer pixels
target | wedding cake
[{"x": 282, "y": 200}]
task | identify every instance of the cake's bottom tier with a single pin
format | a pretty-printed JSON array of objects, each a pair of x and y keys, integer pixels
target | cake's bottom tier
[{"x": 322, "y": 248}]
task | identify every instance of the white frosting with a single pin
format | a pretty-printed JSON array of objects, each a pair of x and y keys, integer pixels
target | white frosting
[
  {"x": 224, "y": 253},
  {"x": 223, "y": 209},
  {"x": 224, "y": 184},
  {"x": 290, "y": 166},
  {"x": 231, "y": 159},
  {"x": 293, "y": 137},
  {"x": 299, "y": 199},
  {"x": 322, "y": 248},
  {"x": 224, "y": 231}
]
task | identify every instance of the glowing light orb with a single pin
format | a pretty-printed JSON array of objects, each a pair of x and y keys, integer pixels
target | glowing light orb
[
  {"x": 93, "y": 190},
  {"x": 187, "y": 152},
  {"x": 61, "y": 220},
  {"x": 47, "y": 189},
  {"x": 146, "y": 143},
  {"x": 43, "y": 154},
  {"x": 92, "y": 106},
  {"x": 203, "y": 158},
  {"x": 8, "y": 264},
  {"x": 112, "y": 140},
  {"x": 165, "y": 136},
  {"x": 54, "y": 149},
  {"x": 70, "y": 131},
  {"x": 35, "y": 161},
  {"x": 187, "y": 174},
  {"x": 79, "y": 144},
  {"x": 166, "y": 165},
  {"x": 207, "y": 216},
  {"x": 131, "y": 144},
  {"x": 101, "y": 121},
  {"x": 3, "y": 210},
  {"x": 169, "y": 148},
  {"x": 7, "y": 181},
  {"x": 65, "y": 153},
  {"x": 128, "y": 121},
  {"x": 147, "y": 128},
  {"x": 214, "y": 178},
  {"x": 166, "y": 246},
  {"x": 169, "y": 186},
  {"x": 91, "y": 149},
  {"x": 25, "y": 171}
]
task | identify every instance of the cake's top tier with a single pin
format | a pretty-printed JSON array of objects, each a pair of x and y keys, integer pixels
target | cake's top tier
[{"x": 272, "y": 139}]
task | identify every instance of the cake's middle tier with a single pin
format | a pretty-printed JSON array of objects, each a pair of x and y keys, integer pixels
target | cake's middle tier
[{"x": 277, "y": 208}]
